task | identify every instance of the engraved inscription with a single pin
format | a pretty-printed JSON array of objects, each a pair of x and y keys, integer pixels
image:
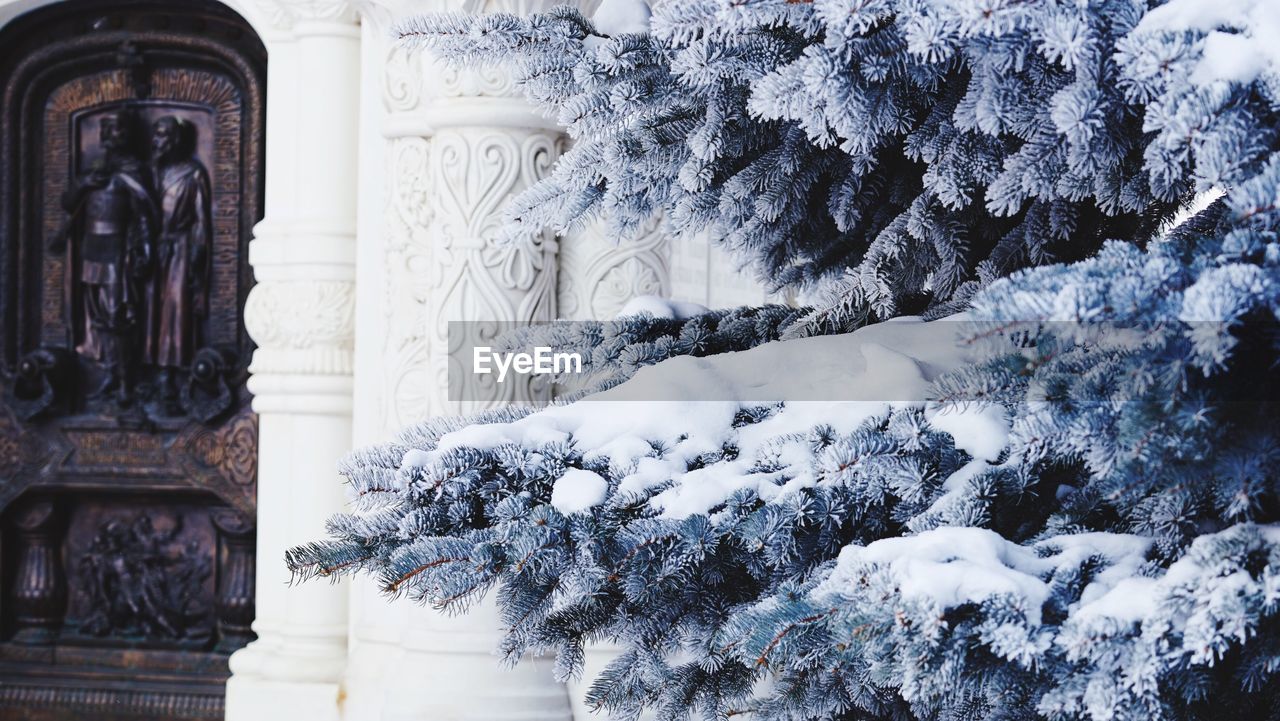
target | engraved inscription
[{"x": 118, "y": 448}]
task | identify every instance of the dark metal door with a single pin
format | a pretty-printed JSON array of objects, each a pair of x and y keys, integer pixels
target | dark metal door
[{"x": 131, "y": 142}]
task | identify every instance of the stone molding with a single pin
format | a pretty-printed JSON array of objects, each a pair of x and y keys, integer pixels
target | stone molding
[
  {"x": 301, "y": 315},
  {"x": 302, "y": 326},
  {"x": 284, "y": 15}
]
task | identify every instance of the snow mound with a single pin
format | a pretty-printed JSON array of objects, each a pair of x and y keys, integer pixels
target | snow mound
[
  {"x": 950, "y": 567},
  {"x": 1242, "y": 37},
  {"x": 876, "y": 369},
  {"x": 618, "y": 17},
  {"x": 578, "y": 490}
]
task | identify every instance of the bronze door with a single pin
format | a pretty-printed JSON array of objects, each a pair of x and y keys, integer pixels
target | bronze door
[{"x": 131, "y": 146}]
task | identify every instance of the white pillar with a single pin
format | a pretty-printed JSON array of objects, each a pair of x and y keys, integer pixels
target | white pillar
[
  {"x": 455, "y": 160},
  {"x": 390, "y": 359},
  {"x": 301, "y": 315},
  {"x": 702, "y": 272},
  {"x": 456, "y": 146}
]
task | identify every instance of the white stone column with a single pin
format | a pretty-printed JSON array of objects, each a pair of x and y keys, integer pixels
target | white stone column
[
  {"x": 390, "y": 362},
  {"x": 485, "y": 146},
  {"x": 703, "y": 273},
  {"x": 301, "y": 315},
  {"x": 456, "y": 146}
]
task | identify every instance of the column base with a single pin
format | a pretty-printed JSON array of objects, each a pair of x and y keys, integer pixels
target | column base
[
  {"x": 449, "y": 672},
  {"x": 368, "y": 666},
  {"x": 475, "y": 687},
  {"x": 273, "y": 679},
  {"x": 256, "y": 699}
]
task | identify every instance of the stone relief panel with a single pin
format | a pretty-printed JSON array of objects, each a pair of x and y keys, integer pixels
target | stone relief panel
[
  {"x": 445, "y": 197},
  {"x": 404, "y": 80},
  {"x": 408, "y": 273},
  {"x": 455, "y": 82},
  {"x": 476, "y": 276}
]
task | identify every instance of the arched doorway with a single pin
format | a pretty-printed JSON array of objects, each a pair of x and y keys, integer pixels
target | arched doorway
[{"x": 131, "y": 177}]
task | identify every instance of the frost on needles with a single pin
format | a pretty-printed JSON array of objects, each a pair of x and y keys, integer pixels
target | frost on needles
[
  {"x": 1082, "y": 522},
  {"x": 896, "y": 154}
]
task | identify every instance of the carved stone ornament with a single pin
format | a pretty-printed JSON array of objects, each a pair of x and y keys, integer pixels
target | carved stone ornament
[
  {"x": 302, "y": 326},
  {"x": 598, "y": 277},
  {"x": 460, "y": 145},
  {"x": 447, "y": 187},
  {"x": 285, "y": 14}
]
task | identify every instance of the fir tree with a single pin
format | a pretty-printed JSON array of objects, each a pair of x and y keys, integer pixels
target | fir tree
[
  {"x": 1084, "y": 523},
  {"x": 906, "y": 152}
]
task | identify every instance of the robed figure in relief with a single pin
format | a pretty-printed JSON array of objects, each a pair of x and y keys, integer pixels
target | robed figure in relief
[{"x": 178, "y": 290}]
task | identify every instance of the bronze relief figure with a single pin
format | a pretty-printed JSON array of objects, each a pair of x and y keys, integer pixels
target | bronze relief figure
[
  {"x": 108, "y": 242},
  {"x": 176, "y": 297}
]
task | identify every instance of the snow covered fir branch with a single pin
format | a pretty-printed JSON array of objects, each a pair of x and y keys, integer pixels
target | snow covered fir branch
[
  {"x": 1051, "y": 494},
  {"x": 648, "y": 331},
  {"x": 913, "y": 150}
]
